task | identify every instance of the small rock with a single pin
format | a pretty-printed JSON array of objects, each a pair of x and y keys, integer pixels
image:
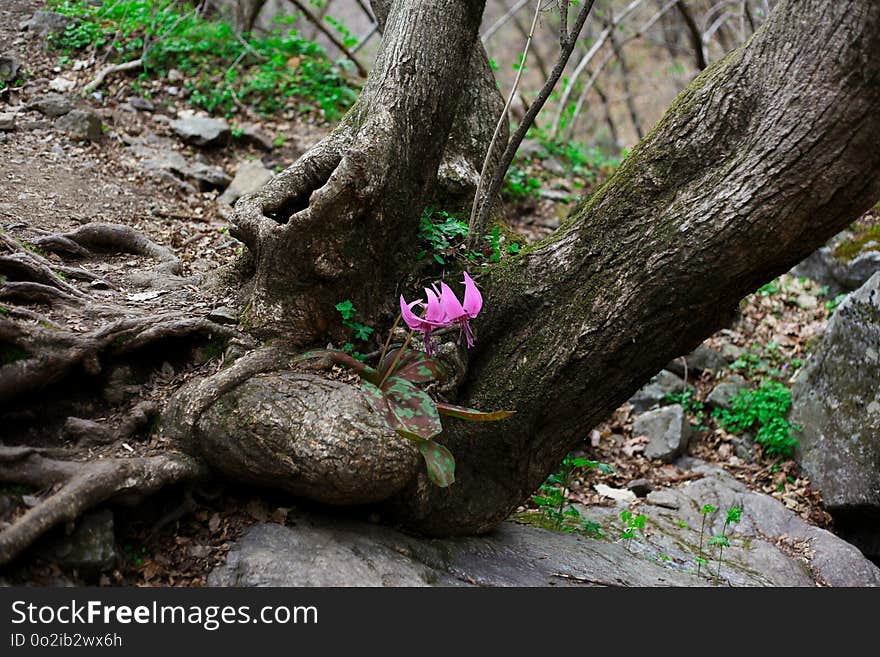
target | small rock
[
  {"x": 7, "y": 122},
  {"x": 47, "y": 23},
  {"x": 53, "y": 105},
  {"x": 141, "y": 104},
  {"x": 201, "y": 130},
  {"x": 208, "y": 177},
  {"x": 9, "y": 66},
  {"x": 61, "y": 85},
  {"x": 91, "y": 547},
  {"x": 666, "y": 499},
  {"x": 668, "y": 431},
  {"x": 249, "y": 178},
  {"x": 223, "y": 315},
  {"x": 655, "y": 393},
  {"x": 724, "y": 392},
  {"x": 81, "y": 124},
  {"x": 807, "y": 301},
  {"x": 641, "y": 487},
  {"x": 699, "y": 360},
  {"x": 174, "y": 75},
  {"x": 253, "y": 134}
]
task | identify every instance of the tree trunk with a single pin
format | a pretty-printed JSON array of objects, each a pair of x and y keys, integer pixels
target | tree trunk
[
  {"x": 767, "y": 154},
  {"x": 351, "y": 204}
]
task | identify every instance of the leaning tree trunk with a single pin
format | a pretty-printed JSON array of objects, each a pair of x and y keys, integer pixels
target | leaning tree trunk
[
  {"x": 765, "y": 156},
  {"x": 760, "y": 160},
  {"x": 341, "y": 222}
]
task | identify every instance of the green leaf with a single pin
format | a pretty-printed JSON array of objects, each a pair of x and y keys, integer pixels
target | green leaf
[
  {"x": 440, "y": 463},
  {"x": 472, "y": 414},
  {"x": 413, "y": 408}
]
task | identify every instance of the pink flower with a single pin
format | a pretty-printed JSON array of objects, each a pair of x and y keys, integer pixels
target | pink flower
[
  {"x": 434, "y": 317},
  {"x": 462, "y": 313},
  {"x": 444, "y": 309}
]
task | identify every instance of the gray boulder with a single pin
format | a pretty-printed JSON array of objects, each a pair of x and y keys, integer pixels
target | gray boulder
[
  {"x": 668, "y": 431},
  {"x": 723, "y": 393},
  {"x": 765, "y": 549},
  {"x": 836, "y": 399},
  {"x": 201, "y": 130},
  {"x": 249, "y": 178},
  {"x": 770, "y": 546},
  {"x": 91, "y": 547},
  {"x": 655, "y": 392},
  {"x": 51, "y": 104},
  {"x": 83, "y": 125},
  {"x": 839, "y": 276},
  {"x": 47, "y": 23}
]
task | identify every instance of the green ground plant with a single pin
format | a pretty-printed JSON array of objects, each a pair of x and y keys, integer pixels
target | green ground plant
[
  {"x": 269, "y": 72},
  {"x": 552, "y": 498},
  {"x": 764, "y": 411}
]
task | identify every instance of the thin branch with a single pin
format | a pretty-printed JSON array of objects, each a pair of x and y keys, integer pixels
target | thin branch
[
  {"x": 486, "y": 201},
  {"x": 497, "y": 25},
  {"x": 472, "y": 224},
  {"x": 362, "y": 71},
  {"x": 694, "y": 32}
]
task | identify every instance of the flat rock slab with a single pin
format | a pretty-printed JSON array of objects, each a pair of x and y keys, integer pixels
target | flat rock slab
[
  {"x": 770, "y": 546},
  {"x": 326, "y": 552},
  {"x": 314, "y": 550}
]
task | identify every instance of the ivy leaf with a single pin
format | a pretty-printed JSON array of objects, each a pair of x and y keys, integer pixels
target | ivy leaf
[
  {"x": 472, "y": 414},
  {"x": 414, "y": 410},
  {"x": 439, "y": 461}
]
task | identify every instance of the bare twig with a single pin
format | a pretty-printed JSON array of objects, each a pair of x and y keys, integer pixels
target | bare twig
[
  {"x": 485, "y": 202},
  {"x": 585, "y": 61},
  {"x": 501, "y": 22},
  {"x": 695, "y": 35},
  {"x": 109, "y": 70},
  {"x": 362, "y": 71},
  {"x": 473, "y": 227}
]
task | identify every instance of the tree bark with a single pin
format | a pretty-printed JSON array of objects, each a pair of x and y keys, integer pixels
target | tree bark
[
  {"x": 351, "y": 204},
  {"x": 767, "y": 154}
]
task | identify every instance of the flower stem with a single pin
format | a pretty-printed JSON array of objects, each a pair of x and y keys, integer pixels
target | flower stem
[
  {"x": 388, "y": 339},
  {"x": 396, "y": 358}
]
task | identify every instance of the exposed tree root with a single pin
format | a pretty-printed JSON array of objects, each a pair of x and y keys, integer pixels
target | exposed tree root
[
  {"x": 109, "y": 237},
  {"x": 83, "y": 486},
  {"x": 50, "y": 354}
]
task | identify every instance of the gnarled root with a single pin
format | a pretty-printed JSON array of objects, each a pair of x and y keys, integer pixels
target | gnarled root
[{"x": 83, "y": 486}]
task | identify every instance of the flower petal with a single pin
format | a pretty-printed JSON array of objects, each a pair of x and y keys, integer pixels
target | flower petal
[
  {"x": 473, "y": 300},
  {"x": 434, "y": 312},
  {"x": 450, "y": 303},
  {"x": 412, "y": 320}
]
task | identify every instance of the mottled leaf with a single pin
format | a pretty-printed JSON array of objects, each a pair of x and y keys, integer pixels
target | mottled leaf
[
  {"x": 472, "y": 414},
  {"x": 379, "y": 403},
  {"x": 414, "y": 409},
  {"x": 439, "y": 461},
  {"x": 420, "y": 369}
]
